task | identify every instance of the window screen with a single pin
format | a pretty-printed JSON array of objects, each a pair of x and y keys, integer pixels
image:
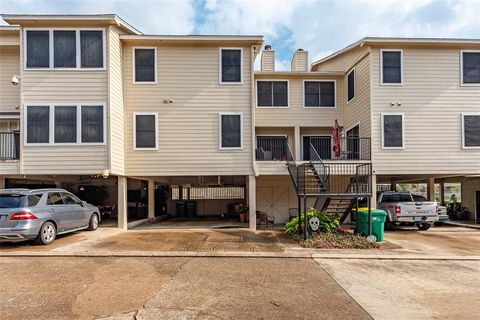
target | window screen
[
  {"x": 38, "y": 122},
  {"x": 231, "y": 131},
  {"x": 38, "y": 44},
  {"x": 272, "y": 93},
  {"x": 144, "y": 65},
  {"x": 145, "y": 131},
  {"x": 392, "y": 131},
  {"x": 64, "y": 49},
  {"x": 91, "y": 49},
  {"x": 319, "y": 94},
  {"x": 351, "y": 85},
  {"x": 231, "y": 65},
  {"x": 92, "y": 124},
  {"x": 65, "y": 124},
  {"x": 392, "y": 66},
  {"x": 471, "y": 67},
  {"x": 471, "y": 127}
]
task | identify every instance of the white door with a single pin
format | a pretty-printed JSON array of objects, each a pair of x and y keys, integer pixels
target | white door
[{"x": 274, "y": 201}]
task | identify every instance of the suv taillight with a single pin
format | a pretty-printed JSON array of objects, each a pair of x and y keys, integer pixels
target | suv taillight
[
  {"x": 438, "y": 210},
  {"x": 23, "y": 216},
  {"x": 397, "y": 209}
]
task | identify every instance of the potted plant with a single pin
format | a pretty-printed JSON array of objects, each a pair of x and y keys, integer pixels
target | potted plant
[{"x": 242, "y": 210}]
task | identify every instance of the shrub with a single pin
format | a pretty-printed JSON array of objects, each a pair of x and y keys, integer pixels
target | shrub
[{"x": 327, "y": 222}]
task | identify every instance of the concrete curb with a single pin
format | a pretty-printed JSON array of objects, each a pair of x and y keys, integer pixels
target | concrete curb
[
  {"x": 287, "y": 255},
  {"x": 464, "y": 225}
]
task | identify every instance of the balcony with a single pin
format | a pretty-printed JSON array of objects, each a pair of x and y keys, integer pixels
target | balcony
[
  {"x": 274, "y": 148},
  {"x": 9, "y": 146}
]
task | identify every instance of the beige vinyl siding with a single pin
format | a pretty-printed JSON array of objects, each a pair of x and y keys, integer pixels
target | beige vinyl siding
[
  {"x": 9, "y": 65},
  {"x": 9, "y": 167},
  {"x": 296, "y": 113},
  {"x": 117, "y": 114},
  {"x": 300, "y": 61},
  {"x": 76, "y": 87},
  {"x": 357, "y": 111},
  {"x": 344, "y": 61},
  {"x": 9, "y": 38},
  {"x": 188, "y": 136},
  {"x": 432, "y": 99}
]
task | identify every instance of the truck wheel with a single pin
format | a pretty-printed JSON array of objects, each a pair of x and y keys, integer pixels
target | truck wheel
[
  {"x": 388, "y": 225},
  {"x": 423, "y": 226}
]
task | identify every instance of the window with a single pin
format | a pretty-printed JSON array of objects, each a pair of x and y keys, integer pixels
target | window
[
  {"x": 231, "y": 131},
  {"x": 54, "y": 198},
  {"x": 231, "y": 65},
  {"x": 69, "y": 198},
  {"x": 272, "y": 93},
  {"x": 351, "y": 85},
  {"x": 38, "y": 120},
  {"x": 319, "y": 94},
  {"x": 471, "y": 130},
  {"x": 391, "y": 65},
  {"x": 65, "y": 119},
  {"x": 91, "y": 48},
  {"x": 145, "y": 129},
  {"x": 145, "y": 65},
  {"x": 92, "y": 124},
  {"x": 65, "y": 48},
  {"x": 392, "y": 131},
  {"x": 33, "y": 200},
  {"x": 38, "y": 48},
  {"x": 470, "y": 62},
  {"x": 64, "y": 124}
]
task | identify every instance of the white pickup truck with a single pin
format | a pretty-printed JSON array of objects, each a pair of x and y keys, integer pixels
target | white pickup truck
[{"x": 402, "y": 208}]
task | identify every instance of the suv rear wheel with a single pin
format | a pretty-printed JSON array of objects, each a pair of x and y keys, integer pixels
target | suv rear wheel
[{"x": 47, "y": 233}]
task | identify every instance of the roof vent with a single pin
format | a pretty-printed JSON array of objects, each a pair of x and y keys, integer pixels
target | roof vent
[{"x": 268, "y": 47}]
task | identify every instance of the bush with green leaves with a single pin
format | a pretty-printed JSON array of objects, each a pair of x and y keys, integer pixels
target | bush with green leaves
[{"x": 327, "y": 222}]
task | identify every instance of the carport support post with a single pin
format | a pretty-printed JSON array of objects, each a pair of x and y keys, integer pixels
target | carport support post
[
  {"x": 122, "y": 203},
  {"x": 2, "y": 183},
  {"x": 299, "y": 215},
  {"x": 252, "y": 203},
  {"x": 151, "y": 199},
  {"x": 431, "y": 189}
]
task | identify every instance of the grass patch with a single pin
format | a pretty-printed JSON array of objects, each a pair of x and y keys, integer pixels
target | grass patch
[{"x": 337, "y": 240}]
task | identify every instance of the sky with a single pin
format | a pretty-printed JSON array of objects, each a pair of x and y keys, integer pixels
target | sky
[{"x": 317, "y": 26}]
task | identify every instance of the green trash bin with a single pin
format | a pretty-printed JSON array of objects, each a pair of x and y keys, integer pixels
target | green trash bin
[{"x": 378, "y": 222}]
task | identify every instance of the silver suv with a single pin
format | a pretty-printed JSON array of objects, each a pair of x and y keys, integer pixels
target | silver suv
[{"x": 42, "y": 214}]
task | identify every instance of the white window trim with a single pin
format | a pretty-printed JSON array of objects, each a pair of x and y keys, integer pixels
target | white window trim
[
  {"x": 320, "y": 107},
  {"x": 401, "y": 67},
  {"x": 51, "y": 129},
  {"x": 403, "y": 130},
  {"x": 135, "y": 114},
  {"x": 354, "y": 84},
  {"x": 220, "y": 130},
  {"x": 155, "y": 63},
  {"x": 272, "y": 80},
  {"x": 316, "y": 136},
  {"x": 51, "y": 49},
  {"x": 463, "y": 130},
  {"x": 220, "y": 66},
  {"x": 461, "y": 70}
]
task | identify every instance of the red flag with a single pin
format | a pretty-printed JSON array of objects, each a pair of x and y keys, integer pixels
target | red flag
[{"x": 336, "y": 140}]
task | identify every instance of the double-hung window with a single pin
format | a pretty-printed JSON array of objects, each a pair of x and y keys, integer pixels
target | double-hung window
[
  {"x": 393, "y": 135},
  {"x": 391, "y": 62},
  {"x": 351, "y": 85},
  {"x": 231, "y": 64},
  {"x": 145, "y": 65},
  {"x": 64, "y": 48},
  {"x": 231, "y": 130},
  {"x": 319, "y": 94},
  {"x": 272, "y": 93},
  {"x": 145, "y": 131},
  {"x": 65, "y": 124},
  {"x": 471, "y": 130},
  {"x": 470, "y": 62}
]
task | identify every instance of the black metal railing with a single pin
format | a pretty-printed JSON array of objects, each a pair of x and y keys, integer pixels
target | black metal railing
[
  {"x": 351, "y": 148},
  {"x": 9, "y": 145},
  {"x": 271, "y": 148},
  {"x": 318, "y": 166},
  {"x": 292, "y": 167}
]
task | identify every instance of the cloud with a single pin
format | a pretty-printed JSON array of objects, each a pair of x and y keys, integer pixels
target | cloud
[{"x": 149, "y": 16}]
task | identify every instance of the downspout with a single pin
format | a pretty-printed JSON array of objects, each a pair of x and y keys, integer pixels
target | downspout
[
  {"x": 252, "y": 99},
  {"x": 21, "y": 126}
]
